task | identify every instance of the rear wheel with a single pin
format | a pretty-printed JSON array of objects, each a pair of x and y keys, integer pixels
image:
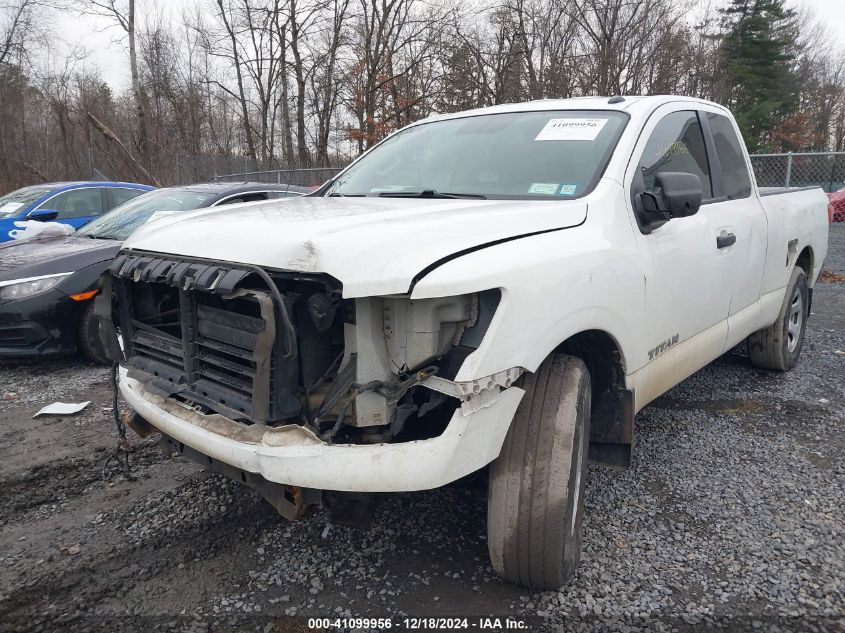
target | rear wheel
[
  {"x": 536, "y": 491},
  {"x": 779, "y": 345},
  {"x": 88, "y": 336}
]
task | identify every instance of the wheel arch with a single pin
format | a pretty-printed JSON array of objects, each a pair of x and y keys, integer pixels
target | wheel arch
[
  {"x": 806, "y": 261},
  {"x": 612, "y": 415}
]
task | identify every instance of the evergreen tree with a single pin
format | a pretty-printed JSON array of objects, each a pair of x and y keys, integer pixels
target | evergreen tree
[{"x": 758, "y": 48}]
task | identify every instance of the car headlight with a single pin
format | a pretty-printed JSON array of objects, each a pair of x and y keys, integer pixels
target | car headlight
[{"x": 22, "y": 288}]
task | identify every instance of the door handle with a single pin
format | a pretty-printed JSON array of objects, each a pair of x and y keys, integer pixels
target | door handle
[{"x": 725, "y": 239}]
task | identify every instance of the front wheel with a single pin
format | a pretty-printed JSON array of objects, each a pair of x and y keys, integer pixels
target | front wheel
[
  {"x": 88, "y": 336},
  {"x": 535, "y": 503},
  {"x": 779, "y": 345}
]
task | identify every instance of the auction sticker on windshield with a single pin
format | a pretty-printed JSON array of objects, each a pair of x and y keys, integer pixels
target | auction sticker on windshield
[
  {"x": 10, "y": 207},
  {"x": 161, "y": 214},
  {"x": 571, "y": 130},
  {"x": 546, "y": 188}
]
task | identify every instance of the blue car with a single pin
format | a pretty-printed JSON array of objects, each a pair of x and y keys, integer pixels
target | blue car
[{"x": 73, "y": 203}]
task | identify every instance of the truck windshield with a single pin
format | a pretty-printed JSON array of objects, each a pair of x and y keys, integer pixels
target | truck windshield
[
  {"x": 516, "y": 155},
  {"x": 119, "y": 223}
]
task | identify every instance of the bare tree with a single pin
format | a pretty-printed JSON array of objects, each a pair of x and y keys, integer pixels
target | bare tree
[
  {"x": 391, "y": 39},
  {"x": 619, "y": 36},
  {"x": 15, "y": 20},
  {"x": 233, "y": 53},
  {"x": 122, "y": 14},
  {"x": 325, "y": 82}
]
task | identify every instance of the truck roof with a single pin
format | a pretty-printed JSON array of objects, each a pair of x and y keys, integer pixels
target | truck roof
[{"x": 623, "y": 104}]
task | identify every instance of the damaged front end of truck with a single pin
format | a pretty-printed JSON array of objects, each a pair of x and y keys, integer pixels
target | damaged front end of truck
[{"x": 276, "y": 380}]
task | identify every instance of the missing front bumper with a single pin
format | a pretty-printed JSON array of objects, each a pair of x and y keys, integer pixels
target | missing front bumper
[
  {"x": 292, "y": 455},
  {"x": 291, "y": 502}
]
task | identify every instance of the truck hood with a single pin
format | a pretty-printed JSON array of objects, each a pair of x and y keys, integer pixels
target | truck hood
[
  {"x": 373, "y": 246},
  {"x": 47, "y": 256}
]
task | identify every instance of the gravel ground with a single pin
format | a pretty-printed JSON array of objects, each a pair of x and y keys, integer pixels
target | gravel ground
[{"x": 731, "y": 517}]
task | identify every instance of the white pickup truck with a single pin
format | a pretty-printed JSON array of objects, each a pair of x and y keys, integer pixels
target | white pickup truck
[{"x": 504, "y": 287}]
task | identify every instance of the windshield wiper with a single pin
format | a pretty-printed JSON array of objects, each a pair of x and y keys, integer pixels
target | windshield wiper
[
  {"x": 429, "y": 193},
  {"x": 346, "y": 195},
  {"x": 101, "y": 237}
]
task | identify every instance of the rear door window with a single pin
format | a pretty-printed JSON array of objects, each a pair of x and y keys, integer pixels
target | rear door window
[
  {"x": 676, "y": 144},
  {"x": 252, "y": 196},
  {"x": 76, "y": 203},
  {"x": 737, "y": 181},
  {"x": 119, "y": 195}
]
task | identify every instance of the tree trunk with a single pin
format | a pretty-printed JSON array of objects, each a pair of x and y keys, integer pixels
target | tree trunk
[
  {"x": 236, "y": 58},
  {"x": 301, "y": 141},
  {"x": 136, "y": 85},
  {"x": 287, "y": 135}
]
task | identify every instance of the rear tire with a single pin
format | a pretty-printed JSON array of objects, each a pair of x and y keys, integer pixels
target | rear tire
[
  {"x": 778, "y": 346},
  {"x": 88, "y": 336},
  {"x": 535, "y": 502}
]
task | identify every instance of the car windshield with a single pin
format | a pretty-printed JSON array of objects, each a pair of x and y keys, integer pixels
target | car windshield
[
  {"x": 119, "y": 223},
  {"x": 12, "y": 203},
  {"x": 516, "y": 155}
]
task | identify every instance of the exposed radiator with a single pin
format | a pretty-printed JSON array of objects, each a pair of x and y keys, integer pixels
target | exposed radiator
[{"x": 189, "y": 329}]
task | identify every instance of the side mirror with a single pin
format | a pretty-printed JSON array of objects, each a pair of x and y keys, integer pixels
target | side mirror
[
  {"x": 675, "y": 194},
  {"x": 682, "y": 192},
  {"x": 42, "y": 215}
]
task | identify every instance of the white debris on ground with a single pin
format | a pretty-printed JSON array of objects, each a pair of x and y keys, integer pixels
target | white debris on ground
[{"x": 62, "y": 408}]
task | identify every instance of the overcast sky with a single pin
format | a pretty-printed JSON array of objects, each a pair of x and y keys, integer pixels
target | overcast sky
[{"x": 111, "y": 57}]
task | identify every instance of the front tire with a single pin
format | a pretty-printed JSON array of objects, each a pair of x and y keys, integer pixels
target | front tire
[
  {"x": 778, "y": 346},
  {"x": 88, "y": 336},
  {"x": 535, "y": 502}
]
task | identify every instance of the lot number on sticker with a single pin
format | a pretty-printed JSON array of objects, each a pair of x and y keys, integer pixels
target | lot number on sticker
[{"x": 571, "y": 130}]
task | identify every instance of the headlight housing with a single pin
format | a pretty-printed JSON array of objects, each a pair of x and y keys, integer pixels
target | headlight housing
[{"x": 23, "y": 288}]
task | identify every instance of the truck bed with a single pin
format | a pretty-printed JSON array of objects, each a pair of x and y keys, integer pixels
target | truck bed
[{"x": 795, "y": 216}]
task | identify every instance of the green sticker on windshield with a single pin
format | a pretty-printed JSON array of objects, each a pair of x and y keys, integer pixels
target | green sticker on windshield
[
  {"x": 545, "y": 188},
  {"x": 567, "y": 190}
]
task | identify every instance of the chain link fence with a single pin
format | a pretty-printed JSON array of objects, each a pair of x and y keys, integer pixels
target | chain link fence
[
  {"x": 825, "y": 170},
  {"x": 310, "y": 177}
]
